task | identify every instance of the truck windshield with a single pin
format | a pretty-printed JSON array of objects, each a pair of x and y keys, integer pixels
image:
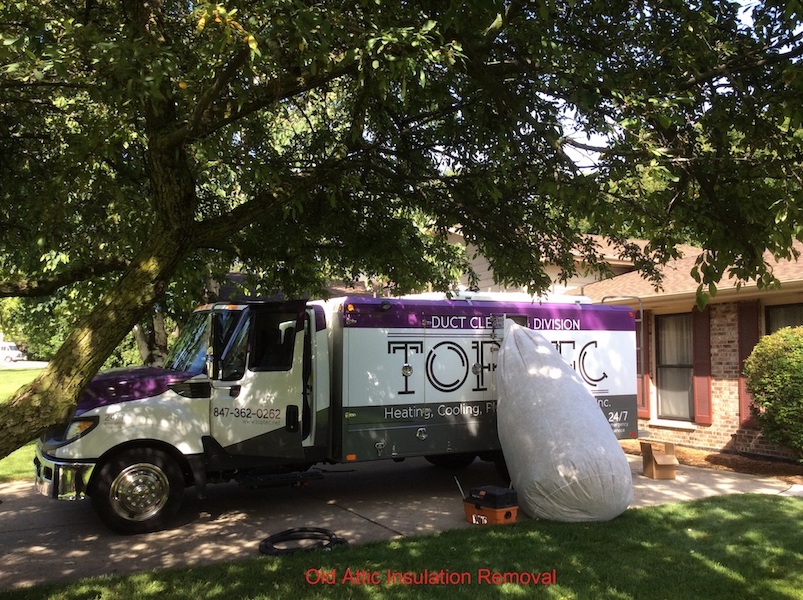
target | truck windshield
[
  {"x": 188, "y": 355},
  {"x": 189, "y": 352}
]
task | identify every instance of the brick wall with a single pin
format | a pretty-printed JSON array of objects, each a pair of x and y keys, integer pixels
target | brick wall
[{"x": 725, "y": 432}]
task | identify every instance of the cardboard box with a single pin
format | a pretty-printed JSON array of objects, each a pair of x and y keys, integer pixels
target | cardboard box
[
  {"x": 491, "y": 505},
  {"x": 657, "y": 464}
]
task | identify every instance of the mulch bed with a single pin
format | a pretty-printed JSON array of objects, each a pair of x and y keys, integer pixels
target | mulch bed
[{"x": 789, "y": 472}]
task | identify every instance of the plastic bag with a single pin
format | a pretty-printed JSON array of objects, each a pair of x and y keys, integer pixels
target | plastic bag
[{"x": 563, "y": 458}]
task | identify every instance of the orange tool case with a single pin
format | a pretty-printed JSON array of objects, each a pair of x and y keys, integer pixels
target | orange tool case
[{"x": 491, "y": 505}]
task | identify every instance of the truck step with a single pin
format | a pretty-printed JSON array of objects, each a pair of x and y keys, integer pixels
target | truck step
[{"x": 258, "y": 480}]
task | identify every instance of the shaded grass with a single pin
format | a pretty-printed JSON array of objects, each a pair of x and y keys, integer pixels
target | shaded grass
[
  {"x": 18, "y": 464},
  {"x": 745, "y": 546}
]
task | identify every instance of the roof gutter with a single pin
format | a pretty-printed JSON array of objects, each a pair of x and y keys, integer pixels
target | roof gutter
[{"x": 730, "y": 294}]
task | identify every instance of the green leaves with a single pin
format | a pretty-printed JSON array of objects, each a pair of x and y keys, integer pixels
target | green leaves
[{"x": 459, "y": 112}]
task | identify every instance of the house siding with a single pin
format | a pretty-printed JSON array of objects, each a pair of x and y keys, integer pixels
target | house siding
[{"x": 726, "y": 431}]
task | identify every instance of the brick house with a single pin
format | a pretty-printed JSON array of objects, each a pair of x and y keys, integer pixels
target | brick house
[{"x": 691, "y": 389}]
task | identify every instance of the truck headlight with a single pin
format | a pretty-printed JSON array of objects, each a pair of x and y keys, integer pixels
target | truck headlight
[{"x": 79, "y": 427}]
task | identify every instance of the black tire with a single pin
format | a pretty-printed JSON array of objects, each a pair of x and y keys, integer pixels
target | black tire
[
  {"x": 138, "y": 490},
  {"x": 458, "y": 460}
]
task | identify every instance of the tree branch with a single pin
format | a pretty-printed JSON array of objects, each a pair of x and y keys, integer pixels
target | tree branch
[
  {"x": 211, "y": 232},
  {"x": 203, "y": 113},
  {"x": 272, "y": 92},
  {"x": 46, "y": 285},
  {"x": 733, "y": 66}
]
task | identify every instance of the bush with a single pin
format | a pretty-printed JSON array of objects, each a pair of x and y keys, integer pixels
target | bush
[{"x": 774, "y": 373}]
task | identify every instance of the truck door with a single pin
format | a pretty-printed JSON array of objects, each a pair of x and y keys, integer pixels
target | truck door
[{"x": 258, "y": 389}]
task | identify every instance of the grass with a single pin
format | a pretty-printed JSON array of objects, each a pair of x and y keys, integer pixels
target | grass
[
  {"x": 742, "y": 546},
  {"x": 13, "y": 379},
  {"x": 18, "y": 464}
]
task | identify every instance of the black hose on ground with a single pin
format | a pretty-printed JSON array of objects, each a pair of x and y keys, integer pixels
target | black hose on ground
[{"x": 326, "y": 539}]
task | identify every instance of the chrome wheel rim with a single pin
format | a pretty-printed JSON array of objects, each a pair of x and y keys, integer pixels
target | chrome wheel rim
[{"x": 139, "y": 492}]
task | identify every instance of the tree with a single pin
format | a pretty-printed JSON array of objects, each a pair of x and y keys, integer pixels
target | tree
[{"x": 153, "y": 143}]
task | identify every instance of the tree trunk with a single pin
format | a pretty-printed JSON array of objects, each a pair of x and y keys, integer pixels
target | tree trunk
[
  {"x": 51, "y": 398},
  {"x": 152, "y": 341}
]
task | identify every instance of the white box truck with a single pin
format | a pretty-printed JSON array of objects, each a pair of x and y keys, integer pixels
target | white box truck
[{"x": 259, "y": 392}]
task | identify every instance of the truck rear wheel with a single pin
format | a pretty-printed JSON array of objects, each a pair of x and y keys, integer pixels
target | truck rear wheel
[
  {"x": 458, "y": 460},
  {"x": 138, "y": 490}
]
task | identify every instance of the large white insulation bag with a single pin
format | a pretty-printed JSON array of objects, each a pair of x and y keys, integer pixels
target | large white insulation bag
[{"x": 563, "y": 458}]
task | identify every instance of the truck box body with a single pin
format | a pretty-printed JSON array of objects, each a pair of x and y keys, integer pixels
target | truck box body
[
  {"x": 261, "y": 390},
  {"x": 419, "y": 377}
]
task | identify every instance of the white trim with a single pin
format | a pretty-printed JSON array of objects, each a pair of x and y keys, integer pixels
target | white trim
[{"x": 670, "y": 424}]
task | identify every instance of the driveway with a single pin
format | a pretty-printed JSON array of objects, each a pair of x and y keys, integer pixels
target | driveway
[{"x": 45, "y": 541}]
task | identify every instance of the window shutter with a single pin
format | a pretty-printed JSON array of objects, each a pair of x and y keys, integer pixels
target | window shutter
[
  {"x": 701, "y": 357},
  {"x": 644, "y": 380},
  {"x": 749, "y": 314}
]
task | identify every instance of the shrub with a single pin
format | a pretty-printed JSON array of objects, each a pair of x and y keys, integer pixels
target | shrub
[{"x": 774, "y": 373}]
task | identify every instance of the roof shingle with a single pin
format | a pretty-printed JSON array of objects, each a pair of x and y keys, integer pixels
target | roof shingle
[{"x": 677, "y": 279}]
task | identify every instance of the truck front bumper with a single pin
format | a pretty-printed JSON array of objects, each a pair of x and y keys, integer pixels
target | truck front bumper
[{"x": 61, "y": 480}]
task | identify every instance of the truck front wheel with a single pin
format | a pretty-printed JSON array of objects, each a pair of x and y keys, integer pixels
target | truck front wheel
[{"x": 138, "y": 490}]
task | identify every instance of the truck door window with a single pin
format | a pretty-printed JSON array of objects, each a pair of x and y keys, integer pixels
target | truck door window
[
  {"x": 274, "y": 340},
  {"x": 234, "y": 359},
  {"x": 190, "y": 351}
]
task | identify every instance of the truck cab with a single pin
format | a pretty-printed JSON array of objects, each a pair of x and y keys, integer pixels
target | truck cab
[{"x": 238, "y": 397}]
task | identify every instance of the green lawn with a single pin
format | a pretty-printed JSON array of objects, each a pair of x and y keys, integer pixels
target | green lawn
[
  {"x": 18, "y": 464},
  {"x": 13, "y": 379},
  {"x": 746, "y": 546}
]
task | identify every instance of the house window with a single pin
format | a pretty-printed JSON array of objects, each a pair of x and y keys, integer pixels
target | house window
[
  {"x": 674, "y": 367},
  {"x": 789, "y": 315}
]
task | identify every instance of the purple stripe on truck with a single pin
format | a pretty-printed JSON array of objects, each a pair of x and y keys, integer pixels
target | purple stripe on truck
[{"x": 460, "y": 314}]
